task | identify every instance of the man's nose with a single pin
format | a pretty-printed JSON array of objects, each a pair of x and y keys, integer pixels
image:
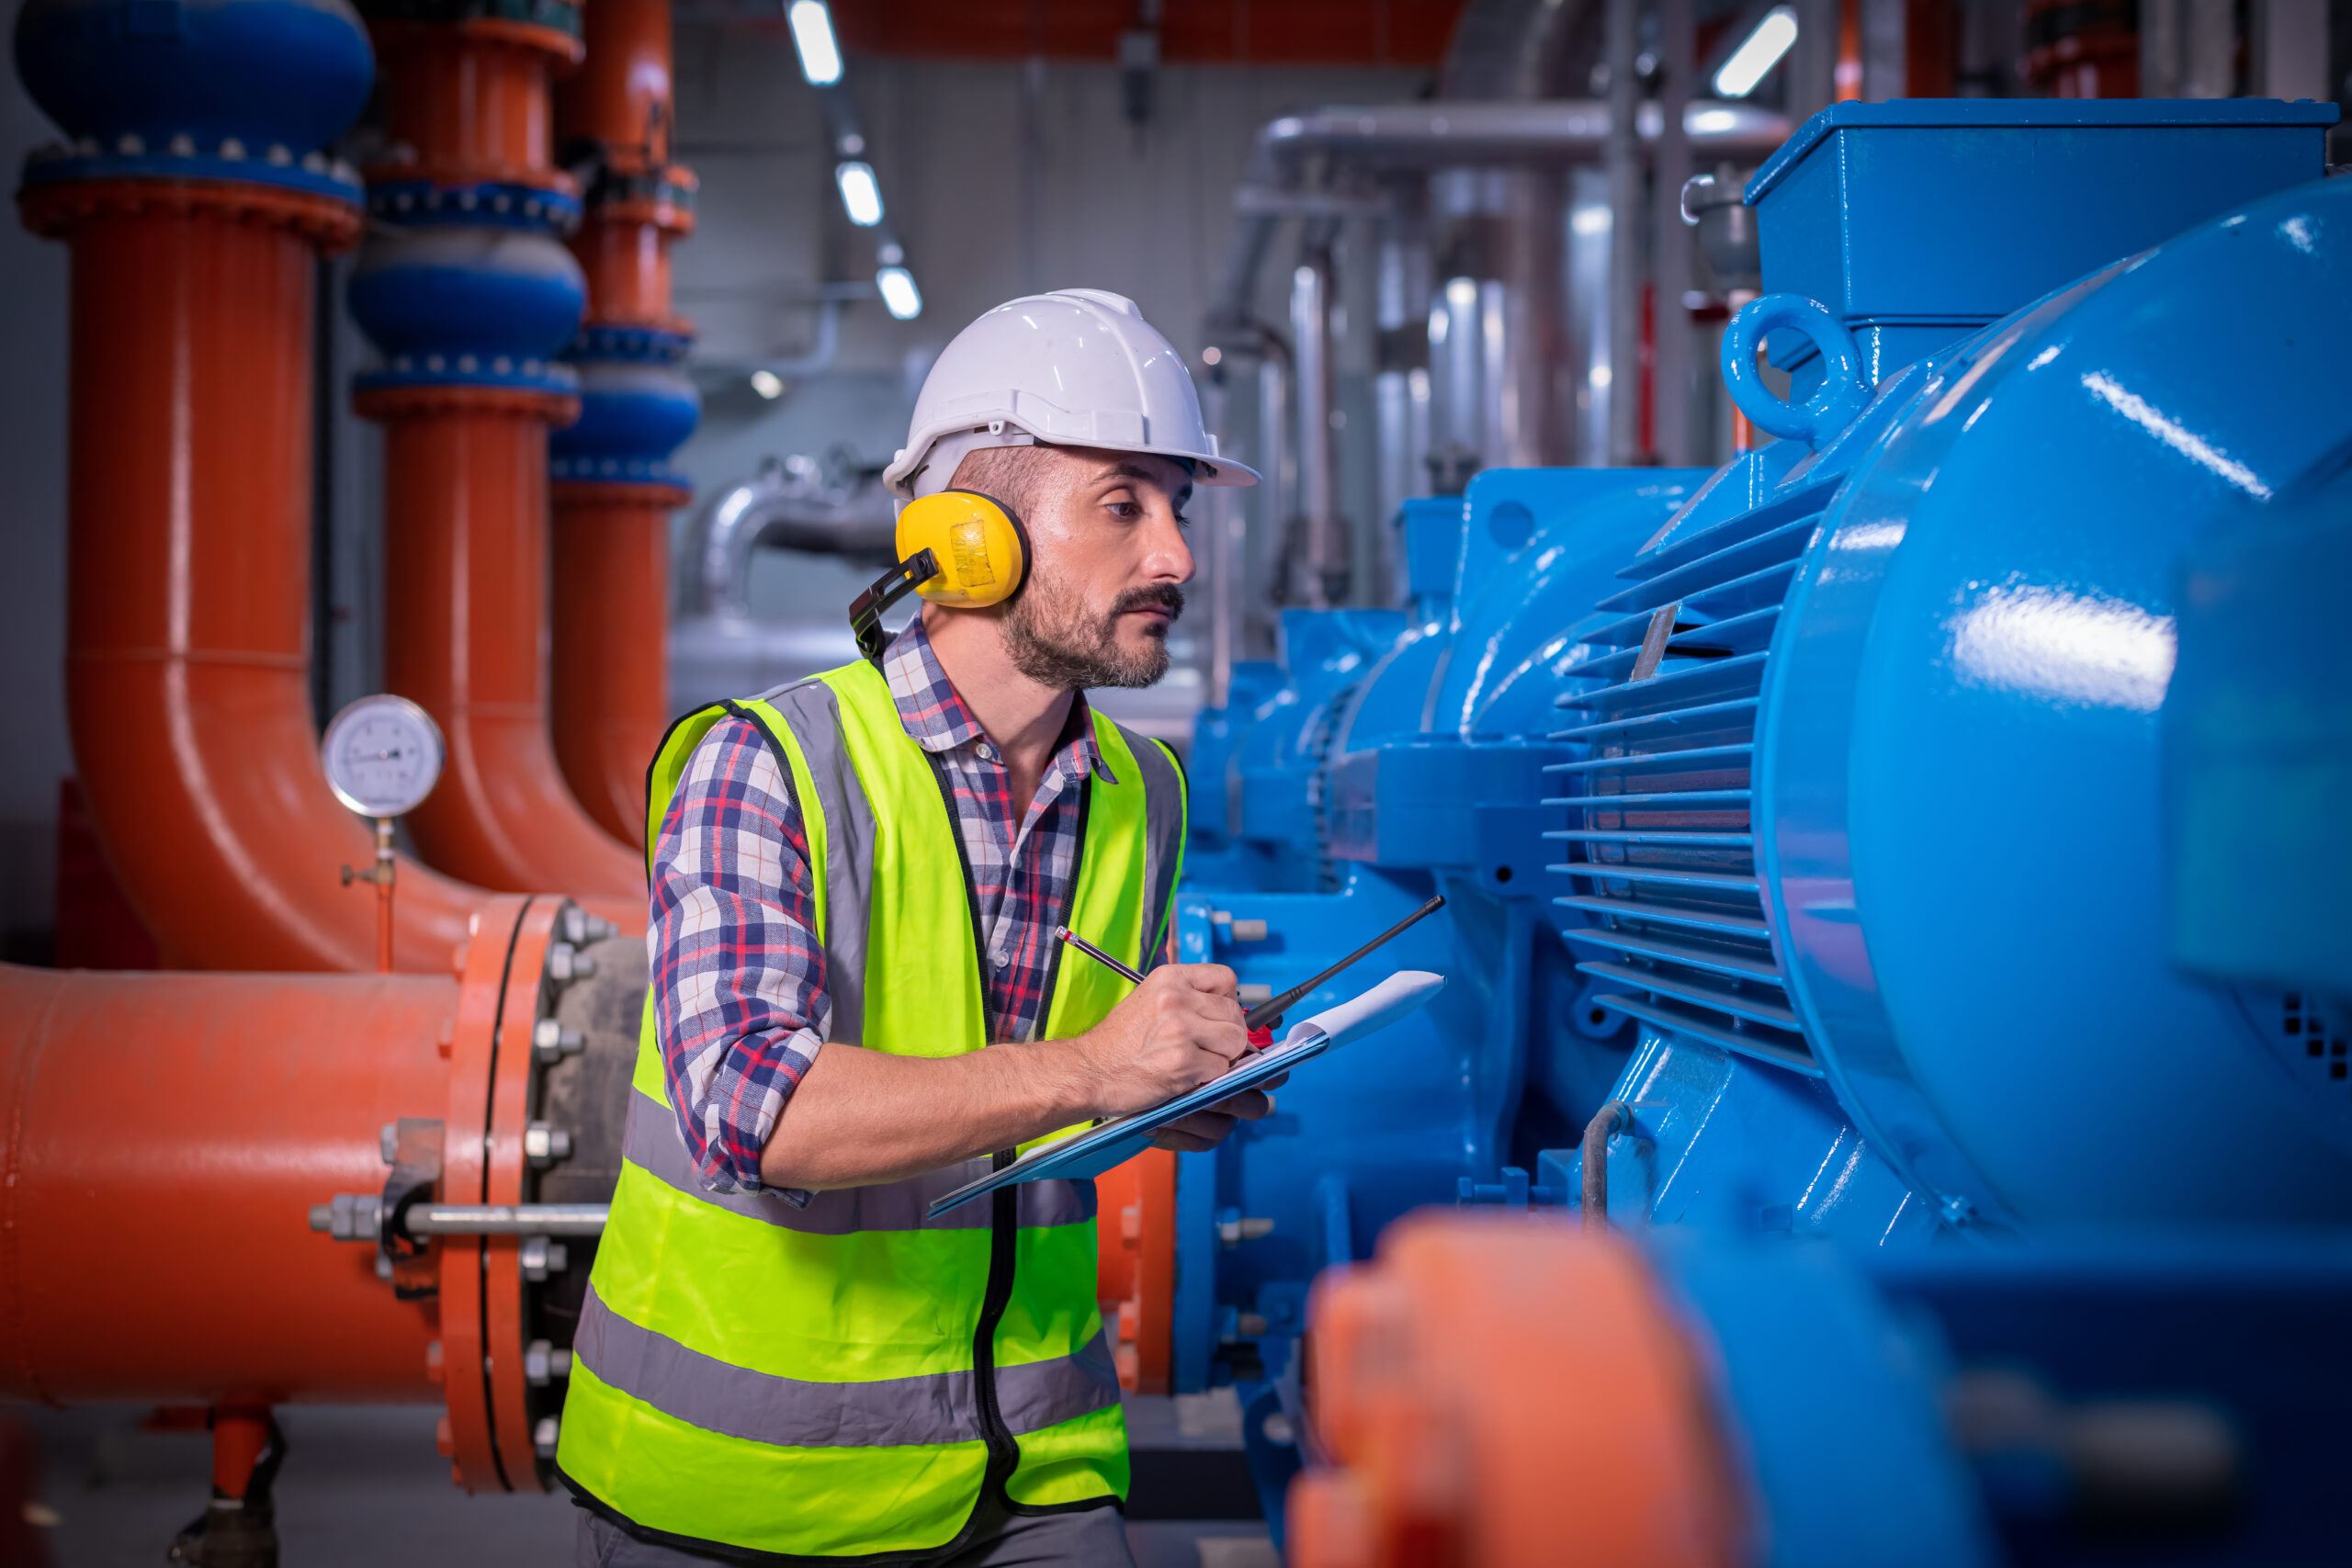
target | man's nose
[{"x": 1168, "y": 555}]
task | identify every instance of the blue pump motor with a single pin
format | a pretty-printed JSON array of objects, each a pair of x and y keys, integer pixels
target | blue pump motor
[{"x": 1843, "y": 762}]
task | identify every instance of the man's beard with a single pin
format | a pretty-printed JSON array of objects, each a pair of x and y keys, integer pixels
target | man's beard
[{"x": 1054, "y": 642}]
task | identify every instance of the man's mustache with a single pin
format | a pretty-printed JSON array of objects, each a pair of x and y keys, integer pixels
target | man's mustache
[{"x": 1163, "y": 596}]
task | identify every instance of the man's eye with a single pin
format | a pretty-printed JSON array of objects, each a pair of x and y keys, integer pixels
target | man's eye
[{"x": 1183, "y": 521}]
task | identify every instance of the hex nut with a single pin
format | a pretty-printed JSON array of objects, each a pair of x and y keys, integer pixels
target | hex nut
[
  {"x": 567, "y": 963},
  {"x": 541, "y": 1257},
  {"x": 545, "y": 1434},
  {"x": 551, "y": 1041},
  {"x": 1233, "y": 1233},
  {"x": 545, "y": 1143}
]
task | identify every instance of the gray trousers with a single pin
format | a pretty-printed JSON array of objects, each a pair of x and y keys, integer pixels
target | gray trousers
[{"x": 1093, "y": 1538}]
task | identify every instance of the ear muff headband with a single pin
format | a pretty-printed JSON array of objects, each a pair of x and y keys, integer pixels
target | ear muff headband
[{"x": 957, "y": 547}]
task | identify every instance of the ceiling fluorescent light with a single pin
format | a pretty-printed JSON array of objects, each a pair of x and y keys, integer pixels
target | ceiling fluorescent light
[
  {"x": 899, "y": 292},
  {"x": 1758, "y": 53},
  {"x": 861, "y": 194},
  {"x": 812, "y": 35}
]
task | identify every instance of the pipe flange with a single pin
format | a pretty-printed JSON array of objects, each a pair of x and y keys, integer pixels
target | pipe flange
[
  {"x": 404, "y": 197},
  {"x": 630, "y": 342},
  {"x": 275, "y": 166}
]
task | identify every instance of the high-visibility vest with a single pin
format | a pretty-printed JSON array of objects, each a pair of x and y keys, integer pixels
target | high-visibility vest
[{"x": 853, "y": 1379}]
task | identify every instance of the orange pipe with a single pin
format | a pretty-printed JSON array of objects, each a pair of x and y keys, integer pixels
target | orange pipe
[
  {"x": 625, "y": 252},
  {"x": 611, "y": 568},
  {"x": 611, "y": 610},
  {"x": 621, "y": 96},
  {"x": 188, "y": 592},
  {"x": 231, "y": 1299},
  {"x": 466, "y": 590},
  {"x": 165, "y": 1254},
  {"x": 1136, "y": 1266},
  {"x": 1469, "y": 1418},
  {"x": 468, "y": 100}
]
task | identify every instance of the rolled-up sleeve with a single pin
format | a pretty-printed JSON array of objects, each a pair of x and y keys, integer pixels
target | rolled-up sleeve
[{"x": 737, "y": 972}]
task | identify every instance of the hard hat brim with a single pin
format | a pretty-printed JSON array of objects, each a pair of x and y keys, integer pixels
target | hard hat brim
[{"x": 1208, "y": 470}]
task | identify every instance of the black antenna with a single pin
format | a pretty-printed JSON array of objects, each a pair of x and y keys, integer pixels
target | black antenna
[
  {"x": 1269, "y": 1013},
  {"x": 865, "y": 610}
]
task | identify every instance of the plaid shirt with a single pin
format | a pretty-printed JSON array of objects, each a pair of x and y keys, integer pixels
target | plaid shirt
[{"x": 739, "y": 976}]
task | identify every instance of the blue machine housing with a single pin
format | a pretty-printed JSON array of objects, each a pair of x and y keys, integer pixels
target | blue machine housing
[{"x": 1845, "y": 761}]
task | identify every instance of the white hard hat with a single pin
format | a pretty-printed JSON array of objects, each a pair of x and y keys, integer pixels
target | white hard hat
[{"x": 1075, "y": 367}]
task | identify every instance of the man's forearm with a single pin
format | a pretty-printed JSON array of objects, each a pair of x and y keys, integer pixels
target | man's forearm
[{"x": 860, "y": 1117}]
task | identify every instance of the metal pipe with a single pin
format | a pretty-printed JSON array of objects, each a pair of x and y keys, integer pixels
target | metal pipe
[
  {"x": 1672, "y": 379},
  {"x": 506, "y": 1219},
  {"x": 466, "y": 596},
  {"x": 1620, "y": 38},
  {"x": 1612, "y": 1118},
  {"x": 188, "y": 584},
  {"x": 1319, "y": 571},
  {"x": 1224, "y": 583},
  {"x": 1442, "y": 134},
  {"x": 610, "y": 589},
  {"x": 467, "y": 577},
  {"x": 249, "y": 1304},
  {"x": 781, "y": 507}
]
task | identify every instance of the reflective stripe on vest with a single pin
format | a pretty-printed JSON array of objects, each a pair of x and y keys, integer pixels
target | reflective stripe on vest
[{"x": 850, "y": 1378}]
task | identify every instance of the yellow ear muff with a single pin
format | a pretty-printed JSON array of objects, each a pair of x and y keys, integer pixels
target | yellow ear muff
[{"x": 980, "y": 545}]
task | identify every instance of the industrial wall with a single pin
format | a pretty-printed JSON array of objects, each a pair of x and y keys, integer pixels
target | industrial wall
[{"x": 1001, "y": 179}]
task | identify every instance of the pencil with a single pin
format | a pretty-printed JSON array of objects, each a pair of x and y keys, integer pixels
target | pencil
[{"x": 1064, "y": 934}]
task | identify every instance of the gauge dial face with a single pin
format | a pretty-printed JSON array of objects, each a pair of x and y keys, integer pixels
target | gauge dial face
[{"x": 382, "y": 755}]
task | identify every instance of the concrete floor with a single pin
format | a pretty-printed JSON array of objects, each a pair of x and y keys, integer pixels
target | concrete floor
[{"x": 363, "y": 1488}]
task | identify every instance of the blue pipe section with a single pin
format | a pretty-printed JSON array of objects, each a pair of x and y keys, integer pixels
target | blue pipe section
[{"x": 249, "y": 91}]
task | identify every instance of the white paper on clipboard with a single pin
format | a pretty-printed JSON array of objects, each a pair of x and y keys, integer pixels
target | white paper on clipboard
[{"x": 1114, "y": 1141}]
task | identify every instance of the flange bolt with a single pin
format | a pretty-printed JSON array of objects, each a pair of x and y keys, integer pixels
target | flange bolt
[
  {"x": 551, "y": 1041},
  {"x": 544, "y": 1143}
]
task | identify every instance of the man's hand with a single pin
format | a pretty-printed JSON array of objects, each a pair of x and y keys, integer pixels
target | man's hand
[
  {"x": 1179, "y": 1029},
  {"x": 1205, "y": 1130}
]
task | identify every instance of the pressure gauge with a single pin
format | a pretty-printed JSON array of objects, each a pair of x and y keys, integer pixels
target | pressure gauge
[{"x": 382, "y": 755}]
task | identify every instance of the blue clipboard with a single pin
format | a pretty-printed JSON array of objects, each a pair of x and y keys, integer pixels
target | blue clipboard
[{"x": 1112, "y": 1142}]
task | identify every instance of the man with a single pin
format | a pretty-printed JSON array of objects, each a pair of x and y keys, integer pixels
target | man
[{"x": 858, "y": 1005}]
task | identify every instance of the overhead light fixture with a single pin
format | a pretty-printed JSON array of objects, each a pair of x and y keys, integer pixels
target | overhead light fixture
[
  {"x": 860, "y": 192},
  {"x": 768, "y": 384},
  {"x": 1758, "y": 53},
  {"x": 899, "y": 292},
  {"x": 812, "y": 35}
]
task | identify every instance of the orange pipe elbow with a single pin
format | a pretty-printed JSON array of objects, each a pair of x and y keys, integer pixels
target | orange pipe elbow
[
  {"x": 466, "y": 590},
  {"x": 188, "y": 579},
  {"x": 610, "y": 620}
]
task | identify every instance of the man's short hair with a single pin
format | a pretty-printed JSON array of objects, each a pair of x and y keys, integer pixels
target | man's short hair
[{"x": 1007, "y": 474}]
